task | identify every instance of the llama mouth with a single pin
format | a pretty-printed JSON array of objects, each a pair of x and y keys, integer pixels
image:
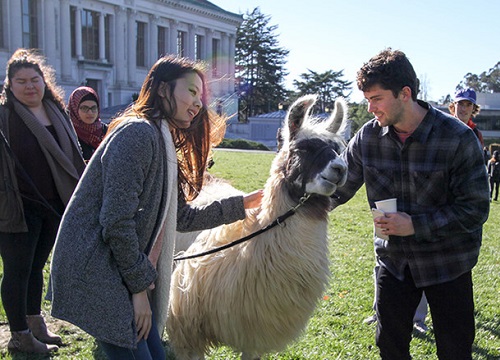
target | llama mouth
[
  {"x": 328, "y": 182},
  {"x": 333, "y": 182}
]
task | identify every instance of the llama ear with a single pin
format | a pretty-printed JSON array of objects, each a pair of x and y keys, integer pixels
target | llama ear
[
  {"x": 338, "y": 118},
  {"x": 298, "y": 112}
]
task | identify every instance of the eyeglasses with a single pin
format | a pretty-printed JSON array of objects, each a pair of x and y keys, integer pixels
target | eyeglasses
[{"x": 86, "y": 109}]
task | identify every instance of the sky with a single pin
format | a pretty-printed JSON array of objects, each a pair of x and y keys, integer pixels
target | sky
[{"x": 444, "y": 39}]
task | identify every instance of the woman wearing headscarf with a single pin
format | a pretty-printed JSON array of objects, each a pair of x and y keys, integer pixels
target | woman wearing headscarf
[{"x": 83, "y": 107}]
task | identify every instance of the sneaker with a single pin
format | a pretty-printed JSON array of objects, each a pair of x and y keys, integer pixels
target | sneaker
[
  {"x": 420, "y": 327},
  {"x": 370, "y": 319}
]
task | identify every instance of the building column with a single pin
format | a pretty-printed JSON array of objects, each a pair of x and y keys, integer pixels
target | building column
[
  {"x": 132, "y": 47},
  {"x": 174, "y": 24},
  {"x": 208, "y": 50},
  {"x": 224, "y": 52},
  {"x": 153, "y": 43},
  {"x": 16, "y": 30},
  {"x": 49, "y": 33},
  {"x": 65, "y": 41},
  {"x": 120, "y": 35},
  {"x": 224, "y": 62},
  {"x": 102, "y": 38},
  {"x": 190, "y": 41},
  {"x": 232, "y": 63},
  {"x": 78, "y": 33}
]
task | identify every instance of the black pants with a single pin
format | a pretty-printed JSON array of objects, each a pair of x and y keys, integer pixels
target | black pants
[
  {"x": 494, "y": 186},
  {"x": 452, "y": 310},
  {"x": 24, "y": 256}
]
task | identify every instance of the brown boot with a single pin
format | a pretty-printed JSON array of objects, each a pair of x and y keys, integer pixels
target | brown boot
[
  {"x": 37, "y": 325},
  {"x": 26, "y": 342}
]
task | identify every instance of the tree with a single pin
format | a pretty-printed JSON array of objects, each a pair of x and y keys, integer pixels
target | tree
[
  {"x": 260, "y": 64},
  {"x": 470, "y": 80},
  {"x": 327, "y": 85},
  {"x": 424, "y": 88},
  {"x": 487, "y": 81},
  {"x": 359, "y": 115}
]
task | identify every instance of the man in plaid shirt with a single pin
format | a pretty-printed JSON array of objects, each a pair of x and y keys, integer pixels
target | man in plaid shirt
[{"x": 433, "y": 164}]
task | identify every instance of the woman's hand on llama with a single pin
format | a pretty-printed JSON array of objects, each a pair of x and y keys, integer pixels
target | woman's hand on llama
[
  {"x": 253, "y": 199},
  {"x": 142, "y": 314},
  {"x": 396, "y": 223}
]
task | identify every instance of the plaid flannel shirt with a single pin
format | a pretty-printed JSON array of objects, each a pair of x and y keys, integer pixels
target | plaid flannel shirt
[{"x": 439, "y": 178}]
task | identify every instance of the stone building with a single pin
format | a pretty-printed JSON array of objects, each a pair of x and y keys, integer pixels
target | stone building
[{"x": 111, "y": 44}]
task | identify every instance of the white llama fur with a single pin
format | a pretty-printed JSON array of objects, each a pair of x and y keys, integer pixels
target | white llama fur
[{"x": 258, "y": 296}]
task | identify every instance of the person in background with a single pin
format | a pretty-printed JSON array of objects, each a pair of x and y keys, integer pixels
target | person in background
[
  {"x": 464, "y": 108},
  {"x": 113, "y": 257},
  {"x": 494, "y": 174},
  {"x": 487, "y": 156},
  {"x": 433, "y": 166},
  {"x": 83, "y": 108},
  {"x": 41, "y": 163}
]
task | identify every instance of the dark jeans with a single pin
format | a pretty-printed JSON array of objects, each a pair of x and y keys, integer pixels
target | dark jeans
[
  {"x": 24, "y": 256},
  {"x": 452, "y": 309},
  {"x": 150, "y": 349},
  {"x": 494, "y": 186}
]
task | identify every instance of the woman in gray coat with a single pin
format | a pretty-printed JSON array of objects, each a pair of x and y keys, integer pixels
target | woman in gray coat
[{"x": 113, "y": 255}]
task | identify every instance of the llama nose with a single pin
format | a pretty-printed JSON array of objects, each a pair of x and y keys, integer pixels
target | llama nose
[
  {"x": 340, "y": 170},
  {"x": 337, "y": 171}
]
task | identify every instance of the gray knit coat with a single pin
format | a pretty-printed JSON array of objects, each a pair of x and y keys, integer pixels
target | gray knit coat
[{"x": 100, "y": 256}]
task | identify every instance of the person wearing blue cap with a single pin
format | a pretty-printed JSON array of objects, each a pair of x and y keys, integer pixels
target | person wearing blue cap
[{"x": 464, "y": 108}]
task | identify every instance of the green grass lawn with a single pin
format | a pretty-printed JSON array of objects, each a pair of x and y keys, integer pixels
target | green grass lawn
[{"x": 336, "y": 331}]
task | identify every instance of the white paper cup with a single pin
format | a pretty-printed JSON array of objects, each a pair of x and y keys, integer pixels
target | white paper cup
[{"x": 388, "y": 205}]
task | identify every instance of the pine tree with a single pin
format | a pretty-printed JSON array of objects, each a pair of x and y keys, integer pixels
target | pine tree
[
  {"x": 327, "y": 85},
  {"x": 260, "y": 65}
]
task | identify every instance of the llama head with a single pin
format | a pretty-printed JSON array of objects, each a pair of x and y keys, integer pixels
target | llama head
[{"x": 311, "y": 149}]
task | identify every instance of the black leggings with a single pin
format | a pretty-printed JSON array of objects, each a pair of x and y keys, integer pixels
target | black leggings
[{"x": 24, "y": 256}]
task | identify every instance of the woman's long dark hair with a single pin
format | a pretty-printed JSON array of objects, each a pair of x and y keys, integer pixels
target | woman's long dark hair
[{"x": 194, "y": 144}]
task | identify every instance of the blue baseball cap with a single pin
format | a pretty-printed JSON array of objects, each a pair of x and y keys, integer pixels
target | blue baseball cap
[{"x": 465, "y": 94}]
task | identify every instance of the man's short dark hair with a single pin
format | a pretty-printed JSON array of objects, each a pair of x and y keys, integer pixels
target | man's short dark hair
[{"x": 391, "y": 70}]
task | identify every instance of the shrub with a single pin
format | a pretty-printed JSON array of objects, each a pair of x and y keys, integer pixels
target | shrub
[{"x": 242, "y": 144}]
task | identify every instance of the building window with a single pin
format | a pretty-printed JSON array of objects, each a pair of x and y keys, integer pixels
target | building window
[
  {"x": 90, "y": 35},
  {"x": 198, "y": 47},
  {"x": 181, "y": 43},
  {"x": 107, "y": 37},
  {"x": 141, "y": 44},
  {"x": 215, "y": 56},
  {"x": 72, "y": 24},
  {"x": 162, "y": 41},
  {"x": 29, "y": 24}
]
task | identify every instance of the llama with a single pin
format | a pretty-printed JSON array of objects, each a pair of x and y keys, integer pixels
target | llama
[{"x": 258, "y": 296}]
